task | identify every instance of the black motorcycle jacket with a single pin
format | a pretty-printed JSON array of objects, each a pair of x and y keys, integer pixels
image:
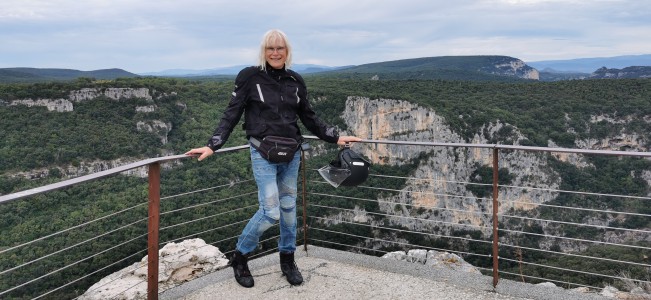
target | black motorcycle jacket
[{"x": 272, "y": 102}]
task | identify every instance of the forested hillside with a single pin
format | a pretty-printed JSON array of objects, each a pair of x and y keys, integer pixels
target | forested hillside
[
  {"x": 26, "y": 75},
  {"x": 105, "y": 128},
  {"x": 472, "y": 68}
]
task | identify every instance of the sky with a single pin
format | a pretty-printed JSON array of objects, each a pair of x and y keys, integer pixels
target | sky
[{"x": 154, "y": 35}]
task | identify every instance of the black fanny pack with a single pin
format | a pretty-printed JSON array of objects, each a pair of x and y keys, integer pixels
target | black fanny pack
[{"x": 276, "y": 149}]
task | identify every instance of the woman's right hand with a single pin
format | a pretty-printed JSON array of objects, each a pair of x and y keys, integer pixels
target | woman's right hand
[{"x": 203, "y": 152}]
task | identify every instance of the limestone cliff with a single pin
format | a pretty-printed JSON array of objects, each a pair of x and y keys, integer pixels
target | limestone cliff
[
  {"x": 517, "y": 68},
  {"x": 58, "y": 105},
  {"x": 439, "y": 189},
  {"x": 628, "y": 72},
  {"x": 111, "y": 93},
  {"x": 160, "y": 128},
  {"x": 85, "y": 94},
  {"x": 440, "y": 182}
]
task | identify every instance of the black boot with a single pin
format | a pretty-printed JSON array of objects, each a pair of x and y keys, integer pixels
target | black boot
[
  {"x": 241, "y": 269},
  {"x": 289, "y": 268}
]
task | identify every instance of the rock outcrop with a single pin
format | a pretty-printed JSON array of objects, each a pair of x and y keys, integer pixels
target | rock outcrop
[
  {"x": 58, "y": 105},
  {"x": 160, "y": 128},
  {"x": 517, "y": 68},
  {"x": 438, "y": 197},
  {"x": 178, "y": 263},
  {"x": 111, "y": 93},
  {"x": 628, "y": 72},
  {"x": 440, "y": 187},
  {"x": 86, "y": 94},
  {"x": 434, "y": 259}
]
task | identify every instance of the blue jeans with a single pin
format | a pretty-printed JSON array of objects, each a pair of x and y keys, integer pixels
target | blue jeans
[{"x": 277, "y": 198}]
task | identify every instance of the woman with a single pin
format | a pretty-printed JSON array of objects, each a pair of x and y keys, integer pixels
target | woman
[{"x": 271, "y": 96}]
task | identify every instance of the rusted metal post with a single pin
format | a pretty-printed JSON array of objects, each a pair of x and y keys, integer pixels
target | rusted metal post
[
  {"x": 495, "y": 208},
  {"x": 304, "y": 201},
  {"x": 152, "y": 226}
]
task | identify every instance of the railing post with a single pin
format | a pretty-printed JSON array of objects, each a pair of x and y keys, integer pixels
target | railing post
[
  {"x": 304, "y": 201},
  {"x": 495, "y": 208},
  {"x": 152, "y": 226}
]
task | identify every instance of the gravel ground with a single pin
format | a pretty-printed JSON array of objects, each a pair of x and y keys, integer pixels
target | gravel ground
[{"x": 332, "y": 274}]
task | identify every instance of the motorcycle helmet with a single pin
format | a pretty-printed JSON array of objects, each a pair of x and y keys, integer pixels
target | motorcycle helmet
[{"x": 348, "y": 169}]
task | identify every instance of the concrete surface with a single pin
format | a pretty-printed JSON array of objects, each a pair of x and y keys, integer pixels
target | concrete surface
[{"x": 333, "y": 274}]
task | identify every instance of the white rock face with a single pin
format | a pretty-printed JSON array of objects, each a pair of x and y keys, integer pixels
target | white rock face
[
  {"x": 621, "y": 142},
  {"x": 575, "y": 159},
  {"x": 158, "y": 127},
  {"x": 439, "y": 183},
  {"x": 112, "y": 93},
  {"x": 520, "y": 69},
  {"x": 434, "y": 259},
  {"x": 178, "y": 263},
  {"x": 65, "y": 105},
  {"x": 58, "y": 105}
]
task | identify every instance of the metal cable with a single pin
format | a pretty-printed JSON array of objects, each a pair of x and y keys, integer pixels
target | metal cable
[
  {"x": 206, "y": 189},
  {"x": 198, "y": 233},
  {"x": 546, "y": 279},
  {"x": 403, "y": 191},
  {"x": 362, "y": 248},
  {"x": 579, "y": 193},
  {"x": 259, "y": 242},
  {"x": 513, "y": 186},
  {"x": 578, "y": 255},
  {"x": 70, "y": 247},
  {"x": 208, "y": 217},
  {"x": 404, "y": 217},
  {"x": 234, "y": 237},
  {"x": 579, "y": 208},
  {"x": 70, "y": 265},
  {"x": 88, "y": 275},
  {"x": 577, "y": 224},
  {"x": 431, "y": 179},
  {"x": 390, "y": 202},
  {"x": 376, "y": 250},
  {"x": 573, "y": 271},
  {"x": 204, "y": 204},
  {"x": 514, "y": 201},
  {"x": 409, "y": 231},
  {"x": 574, "y": 239},
  {"x": 399, "y": 243},
  {"x": 71, "y": 228}
]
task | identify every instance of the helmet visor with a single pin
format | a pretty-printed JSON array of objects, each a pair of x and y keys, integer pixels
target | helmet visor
[{"x": 333, "y": 175}]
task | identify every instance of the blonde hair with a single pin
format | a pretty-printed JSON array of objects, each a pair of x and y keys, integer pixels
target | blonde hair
[{"x": 271, "y": 37}]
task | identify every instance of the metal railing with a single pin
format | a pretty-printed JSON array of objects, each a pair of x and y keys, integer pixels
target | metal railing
[{"x": 374, "y": 233}]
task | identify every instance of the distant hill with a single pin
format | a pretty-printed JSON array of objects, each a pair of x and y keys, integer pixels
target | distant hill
[
  {"x": 589, "y": 65},
  {"x": 13, "y": 75},
  {"x": 628, "y": 72},
  {"x": 500, "y": 68}
]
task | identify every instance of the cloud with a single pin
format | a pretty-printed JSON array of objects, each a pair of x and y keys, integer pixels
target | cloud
[{"x": 149, "y": 35}]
